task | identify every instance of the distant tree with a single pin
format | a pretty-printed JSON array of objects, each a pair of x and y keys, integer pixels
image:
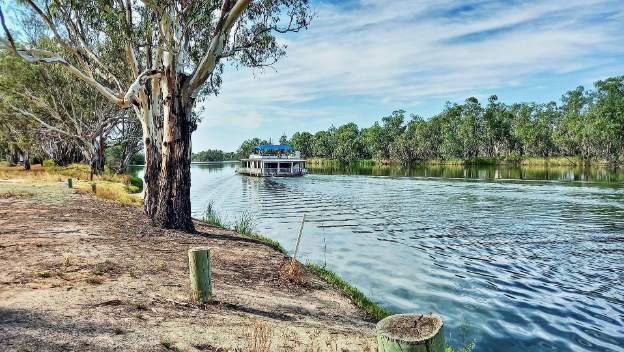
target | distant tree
[
  {"x": 283, "y": 140},
  {"x": 469, "y": 129},
  {"x": 248, "y": 146},
  {"x": 209, "y": 155},
  {"x": 303, "y": 142},
  {"x": 347, "y": 143},
  {"x": 324, "y": 143}
]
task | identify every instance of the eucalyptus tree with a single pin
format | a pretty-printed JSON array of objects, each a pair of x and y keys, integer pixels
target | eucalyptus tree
[
  {"x": 61, "y": 105},
  {"x": 125, "y": 141},
  {"x": 175, "y": 52}
]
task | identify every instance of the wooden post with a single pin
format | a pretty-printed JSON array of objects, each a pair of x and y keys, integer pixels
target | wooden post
[
  {"x": 199, "y": 268},
  {"x": 70, "y": 183},
  {"x": 299, "y": 237},
  {"x": 411, "y": 333}
]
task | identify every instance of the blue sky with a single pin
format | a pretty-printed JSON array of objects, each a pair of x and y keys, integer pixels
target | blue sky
[{"x": 362, "y": 59}]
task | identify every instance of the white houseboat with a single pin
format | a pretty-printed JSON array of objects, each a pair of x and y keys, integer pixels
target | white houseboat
[{"x": 273, "y": 160}]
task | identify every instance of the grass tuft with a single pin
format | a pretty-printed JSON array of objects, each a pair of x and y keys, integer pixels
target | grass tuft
[
  {"x": 371, "y": 308},
  {"x": 245, "y": 224},
  {"x": 212, "y": 217},
  {"x": 167, "y": 343},
  {"x": 103, "y": 267},
  {"x": 93, "y": 280}
]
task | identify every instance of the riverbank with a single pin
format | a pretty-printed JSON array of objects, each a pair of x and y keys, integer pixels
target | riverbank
[
  {"x": 90, "y": 274},
  {"x": 478, "y": 161}
]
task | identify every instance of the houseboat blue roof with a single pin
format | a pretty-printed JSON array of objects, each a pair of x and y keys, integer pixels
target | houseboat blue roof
[{"x": 275, "y": 147}]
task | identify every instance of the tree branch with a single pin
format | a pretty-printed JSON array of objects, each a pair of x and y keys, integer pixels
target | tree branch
[{"x": 208, "y": 62}]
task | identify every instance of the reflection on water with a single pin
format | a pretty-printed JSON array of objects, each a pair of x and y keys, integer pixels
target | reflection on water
[{"x": 518, "y": 259}]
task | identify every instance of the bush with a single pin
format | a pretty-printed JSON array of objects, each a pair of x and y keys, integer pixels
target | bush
[
  {"x": 133, "y": 189},
  {"x": 136, "y": 182},
  {"x": 48, "y": 163}
]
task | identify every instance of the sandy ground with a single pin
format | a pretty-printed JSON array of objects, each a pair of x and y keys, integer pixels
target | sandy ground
[{"x": 82, "y": 274}]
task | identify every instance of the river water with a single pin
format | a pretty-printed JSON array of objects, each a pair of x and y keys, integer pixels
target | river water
[{"x": 514, "y": 259}]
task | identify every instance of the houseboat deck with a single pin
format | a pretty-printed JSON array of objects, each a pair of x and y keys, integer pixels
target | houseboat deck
[{"x": 265, "y": 162}]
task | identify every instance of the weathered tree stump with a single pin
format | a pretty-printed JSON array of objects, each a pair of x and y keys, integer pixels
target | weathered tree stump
[
  {"x": 199, "y": 268},
  {"x": 411, "y": 333},
  {"x": 70, "y": 183}
]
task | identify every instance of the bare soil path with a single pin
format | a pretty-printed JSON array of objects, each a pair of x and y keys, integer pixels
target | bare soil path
[{"x": 82, "y": 274}]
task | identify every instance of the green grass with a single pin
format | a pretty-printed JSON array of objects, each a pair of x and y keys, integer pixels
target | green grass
[
  {"x": 212, "y": 217},
  {"x": 371, "y": 308},
  {"x": 268, "y": 241},
  {"x": 245, "y": 224}
]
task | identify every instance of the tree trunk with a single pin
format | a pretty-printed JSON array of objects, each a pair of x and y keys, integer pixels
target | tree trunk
[
  {"x": 26, "y": 157},
  {"x": 168, "y": 170}
]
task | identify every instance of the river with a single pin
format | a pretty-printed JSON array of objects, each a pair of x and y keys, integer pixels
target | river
[{"x": 515, "y": 259}]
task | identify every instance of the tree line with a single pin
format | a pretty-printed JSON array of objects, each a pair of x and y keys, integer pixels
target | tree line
[{"x": 585, "y": 124}]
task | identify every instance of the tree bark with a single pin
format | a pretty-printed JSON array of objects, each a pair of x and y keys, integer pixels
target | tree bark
[
  {"x": 26, "y": 157},
  {"x": 168, "y": 168}
]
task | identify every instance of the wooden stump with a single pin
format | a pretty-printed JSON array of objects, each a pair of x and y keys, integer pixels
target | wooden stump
[
  {"x": 411, "y": 333},
  {"x": 199, "y": 268},
  {"x": 70, "y": 183}
]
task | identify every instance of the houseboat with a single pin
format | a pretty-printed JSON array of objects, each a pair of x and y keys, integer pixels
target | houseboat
[{"x": 273, "y": 160}]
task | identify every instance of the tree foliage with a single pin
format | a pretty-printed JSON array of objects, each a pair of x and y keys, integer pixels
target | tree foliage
[{"x": 586, "y": 124}]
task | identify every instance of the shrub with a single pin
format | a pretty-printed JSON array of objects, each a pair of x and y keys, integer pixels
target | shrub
[
  {"x": 134, "y": 189},
  {"x": 48, "y": 163},
  {"x": 136, "y": 182}
]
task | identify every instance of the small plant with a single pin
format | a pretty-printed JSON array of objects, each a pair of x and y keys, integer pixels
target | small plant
[
  {"x": 212, "y": 217},
  {"x": 66, "y": 259},
  {"x": 48, "y": 163},
  {"x": 139, "y": 305},
  {"x": 93, "y": 280},
  {"x": 468, "y": 348},
  {"x": 45, "y": 274},
  {"x": 167, "y": 343},
  {"x": 245, "y": 224},
  {"x": 160, "y": 265},
  {"x": 133, "y": 189},
  {"x": 118, "y": 331},
  {"x": 103, "y": 267}
]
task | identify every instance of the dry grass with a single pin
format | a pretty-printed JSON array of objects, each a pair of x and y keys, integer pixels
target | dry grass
[
  {"x": 108, "y": 185},
  {"x": 259, "y": 337},
  {"x": 15, "y": 194},
  {"x": 292, "y": 271}
]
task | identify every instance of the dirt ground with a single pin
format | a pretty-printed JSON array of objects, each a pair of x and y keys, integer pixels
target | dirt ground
[{"x": 83, "y": 274}]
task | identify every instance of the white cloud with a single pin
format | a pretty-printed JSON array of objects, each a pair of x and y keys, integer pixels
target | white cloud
[{"x": 404, "y": 52}]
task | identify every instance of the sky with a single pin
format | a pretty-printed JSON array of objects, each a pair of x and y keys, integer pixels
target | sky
[{"x": 361, "y": 59}]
